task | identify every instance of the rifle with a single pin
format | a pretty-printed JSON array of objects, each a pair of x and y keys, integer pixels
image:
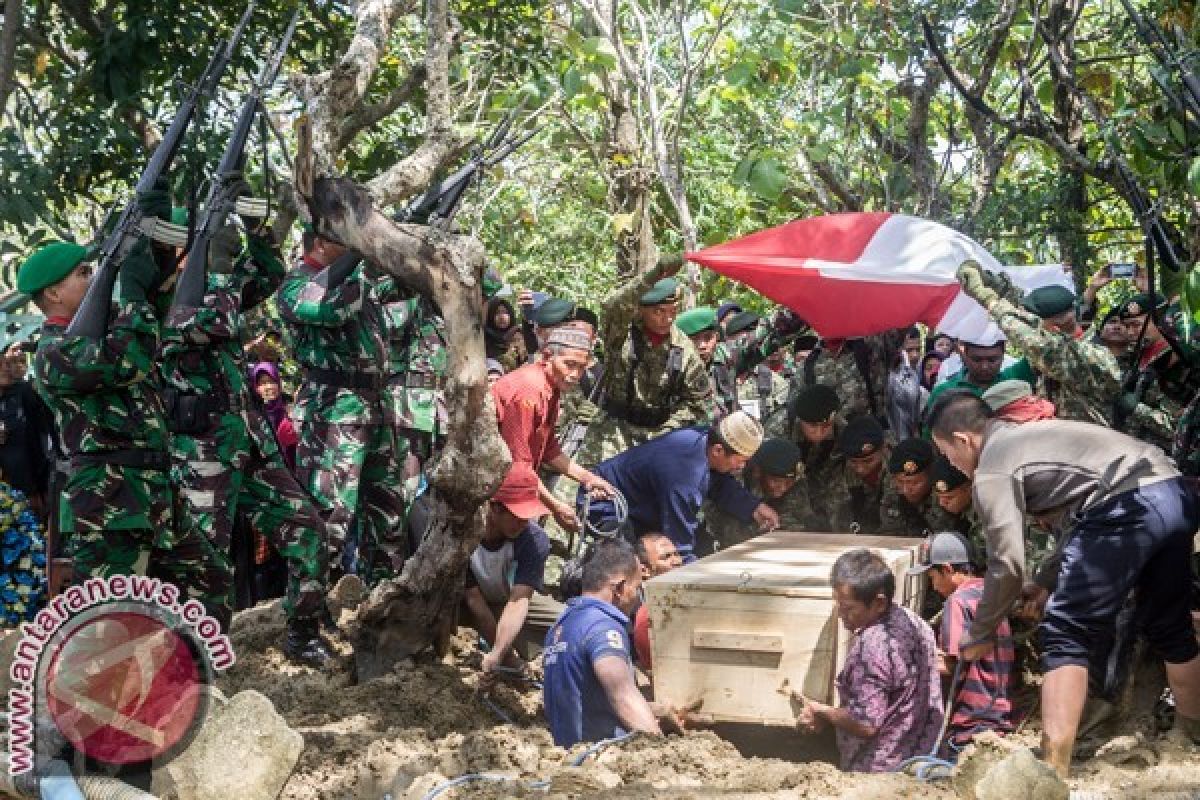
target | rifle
[
  {"x": 440, "y": 202},
  {"x": 223, "y": 193},
  {"x": 1155, "y": 40},
  {"x": 91, "y": 320}
]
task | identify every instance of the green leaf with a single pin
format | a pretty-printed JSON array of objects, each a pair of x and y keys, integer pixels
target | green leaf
[
  {"x": 1177, "y": 131},
  {"x": 767, "y": 179},
  {"x": 571, "y": 82},
  {"x": 1193, "y": 176}
]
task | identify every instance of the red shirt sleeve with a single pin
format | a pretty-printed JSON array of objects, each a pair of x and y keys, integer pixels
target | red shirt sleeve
[
  {"x": 515, "y": 419},
  {"x": 641, "y": 637}
]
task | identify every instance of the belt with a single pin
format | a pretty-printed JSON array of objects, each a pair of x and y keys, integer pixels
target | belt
[
  {"x": 424, "y": 380},
  {"x": 217, "y": 402},
  {"x": 344, "y": 379},
  {"x": 642, "y": 417},
  {"x": 140, "y": 459}
]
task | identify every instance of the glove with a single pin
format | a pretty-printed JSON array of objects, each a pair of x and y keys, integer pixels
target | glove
[
  {"x": 223, "y": 249},
  {"x": 970, "y": 275},
  {"x": 138, "y": 273},
  {"x": 1126, "y": 403},
  {"x": 1001, "y": 284},
  {"x": 156, "y": 202}
]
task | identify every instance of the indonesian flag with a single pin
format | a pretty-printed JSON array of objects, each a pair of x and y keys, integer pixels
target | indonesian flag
[{"x": 856, "y": 274}]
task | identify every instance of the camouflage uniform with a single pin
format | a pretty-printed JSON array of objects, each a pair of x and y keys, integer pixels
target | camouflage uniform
[
  {"x": 414, "y": 403},
  {"x": 117, "y": 509},
  {"x": 794, "y": 509},
  {"x": 842, "y": 374},
  {"x": 824, "y": 479},
  {"x": 771, "y": 404},
  {"x": 1161, "y": 405},
  {"x": 1082, "y": 378},
  {"x": 347, "y": 454},
  {"x": 227, "y": 459},
  {"x": 642, "y": 403},
  {"x": 898, "y": 517},
  {"x": 724, "y": 381}
]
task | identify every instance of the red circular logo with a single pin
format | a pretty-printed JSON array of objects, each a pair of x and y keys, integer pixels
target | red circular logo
[{"x": 123, "y": 687}]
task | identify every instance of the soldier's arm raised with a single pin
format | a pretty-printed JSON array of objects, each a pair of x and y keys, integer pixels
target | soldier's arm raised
[
  {"x": 124, "y": 356},
  {"x": 620, "y": 306},
  {"x": 264, "y": 269},
  {"x": 304, "y": 301}
]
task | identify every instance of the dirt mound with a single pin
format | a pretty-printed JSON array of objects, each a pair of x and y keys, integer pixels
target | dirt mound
[{"x": 425, "y": 723}]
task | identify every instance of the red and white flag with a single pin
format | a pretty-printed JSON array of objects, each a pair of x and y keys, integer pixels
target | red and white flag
[{"x": 855, "y": 274}]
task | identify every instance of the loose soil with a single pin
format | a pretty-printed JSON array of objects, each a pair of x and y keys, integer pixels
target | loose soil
[{"x": 410, "y": 731}]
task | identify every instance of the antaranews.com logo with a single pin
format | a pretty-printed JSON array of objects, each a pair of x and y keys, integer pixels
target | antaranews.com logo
[{"x": 118, "y": 667}]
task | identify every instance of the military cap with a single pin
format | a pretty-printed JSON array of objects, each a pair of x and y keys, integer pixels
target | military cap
[
  {"x": 696, "y": 320},
  {"x": 1001, "y": 394},
  {"x": 491, "y": 284},
  {"x": 665, "y": 291},
  {"x": 815, "y": 404},
  {"x": 48, "y": 265},
  {"x": 179, "y": 216},
  {"x": 805, "y": 341},
  {"x": 1140, "y": 304},
  {"x": 741, "y": 321},
  {"x": 946, "y": 476},
  {"x": 1049, "y": 301},
  {"x": 553, "y": 311},
  {"x": 725, "y": 309},
  {"x": 911, "y": 456},
  {"x": 863, "y": 436},
  {"x": 778, "y": 457}
]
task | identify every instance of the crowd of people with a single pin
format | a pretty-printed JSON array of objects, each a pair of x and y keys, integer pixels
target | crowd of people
[{"x": 185, "y": 439}]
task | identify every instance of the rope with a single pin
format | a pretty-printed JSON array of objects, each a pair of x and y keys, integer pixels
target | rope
[
  {"x": 600, "y": 745},
  {"x": 620, "y": 509},
  {"x": 926, "y": 764}
]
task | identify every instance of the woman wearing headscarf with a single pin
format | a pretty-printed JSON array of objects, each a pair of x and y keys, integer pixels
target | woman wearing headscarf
[{"x": 501, "y": 334}]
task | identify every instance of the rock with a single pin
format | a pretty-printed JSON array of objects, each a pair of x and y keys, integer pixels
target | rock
[
  {"x": 244, "y": 750},
  {"x": 345, "y": 598},
  {"x": 1128, "y": 751},
  {"x": 984, "y": 752},
  {"x": 1021, "y": 774}
]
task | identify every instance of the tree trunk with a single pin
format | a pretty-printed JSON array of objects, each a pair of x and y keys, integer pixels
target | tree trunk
[
  {"x": 416, "y": 611},
  {"x": 8, "y": 48}
]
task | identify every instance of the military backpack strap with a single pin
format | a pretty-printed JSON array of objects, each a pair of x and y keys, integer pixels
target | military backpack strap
[
  {"x": 639, "y": 349},
  {"x": 763, "y": 377},
  {"x": 810, "y": 365},
  {"x": 674, "y": 377},
  {"x": 862, "y": 360}
]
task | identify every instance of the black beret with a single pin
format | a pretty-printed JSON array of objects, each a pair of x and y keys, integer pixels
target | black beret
[
  {"x": 741, "y": 321},
  {"x": 778, "y": 457},
  {"x": 863, "y": 436},
  {"x": 587, "y": 315},
  {"x": 805, "y": 341},
  {"x": 815, "y": 404},
  {"x": 1049, "y": 301},
  {"x": 946, "y": 476},
  {"x": 1140, "y": 304},
  {"x": 911, "y": 456},
  {"x": 554, "y": 311}
]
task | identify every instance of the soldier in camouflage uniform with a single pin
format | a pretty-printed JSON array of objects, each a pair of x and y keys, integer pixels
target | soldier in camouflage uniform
[
  {"x": 700, "y": 325},
  {"x": 1082, "y": 378},
  {"x": 856, "y": 369},
  {"x": 864, "y": 448},
  {"x": 1161, "y": 384},
  {"x": 415, "y": 401},
  {"x": 654, "y": 381},
  {"x": 347, "y": 456},
  {"x": 952, "y": 490},
  {"x": 226, "y": 459},
  {"x": 775, "y": 473},
  {"x": 765, "y": 391},
  {"x": 117, "y": 508},
  {"x": 908, "y": 507},
  {"x": 816, "y": 431}
]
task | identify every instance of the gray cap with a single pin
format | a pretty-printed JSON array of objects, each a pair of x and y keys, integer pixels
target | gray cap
[
  {"x": 948, "y": 547},
  {"x": 1001, "y": 394}
]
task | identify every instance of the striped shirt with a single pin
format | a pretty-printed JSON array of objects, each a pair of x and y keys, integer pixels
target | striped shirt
[{"x": 982, "y": 702}]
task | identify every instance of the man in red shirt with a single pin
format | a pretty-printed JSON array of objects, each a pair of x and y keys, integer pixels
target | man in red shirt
[
  {"x": 527, "y": 401},
  {"x": 658, "y": 555}
]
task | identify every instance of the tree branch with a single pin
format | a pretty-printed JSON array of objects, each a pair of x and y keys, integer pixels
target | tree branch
[
  {"x": 8, "y": 47},
  {"x": 365, "y": 116}
]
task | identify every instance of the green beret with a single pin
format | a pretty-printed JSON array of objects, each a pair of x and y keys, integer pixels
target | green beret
[
  {"x": 815, "y": 404},
  {"x": 911, "y": 456},
  {"x": 554, "y": 311},
  {"x": 491, "y": 283},
  {"x": 179, "y": 216},
  {"x": 741, "y": 321},
  {"x": 1140, "y": 304},
  {"x": 307, "y": 227},
  {"x": 665, "y": 291},
  {"x": 776, "y": 457},
  {"x": 1049, "y": 301},
  {"x": 699, "y": 319},
  {"x": 946, "y": 476},
  {"x": 863, "y": 436},
  {"x": 998, "y": 395},
  {"x": 48, "y": 265}
]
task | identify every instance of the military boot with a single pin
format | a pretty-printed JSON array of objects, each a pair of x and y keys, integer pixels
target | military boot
[{"x": 304, "y": 645}]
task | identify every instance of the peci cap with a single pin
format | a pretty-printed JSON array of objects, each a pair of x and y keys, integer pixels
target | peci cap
[
  {"x": 911, "y": 456},
  {"x": 779, "y": 458},
  {"x": 863, "y": 436},
  {"x": 570, "y": 336},
  {"x": 742, "y": 432},
  {"x": 947, "y": 547},
  {"x": 1005, "y": 392}
]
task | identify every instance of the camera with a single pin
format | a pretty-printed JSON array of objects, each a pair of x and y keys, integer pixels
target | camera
[{"x": 1124, "y": 269}]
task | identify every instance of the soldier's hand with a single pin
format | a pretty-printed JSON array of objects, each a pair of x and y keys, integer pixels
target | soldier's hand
[
  {"x": 223, "y": 249},
  {"x": 970, "y": 275},
  {"x": 1000, "y": 283},
  {"x": 156, "y": 202},
  {"x": 669, "y": 265},
  {"x": 766, "y": 517}
]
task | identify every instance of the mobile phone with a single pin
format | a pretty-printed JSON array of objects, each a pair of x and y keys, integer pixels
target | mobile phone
[{"x": 1124, "y": 269}]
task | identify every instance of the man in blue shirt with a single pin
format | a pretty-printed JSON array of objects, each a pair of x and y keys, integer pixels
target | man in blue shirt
[
  {"x": 590, "y": 692},
  {"x": 666, "y": 480}
]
